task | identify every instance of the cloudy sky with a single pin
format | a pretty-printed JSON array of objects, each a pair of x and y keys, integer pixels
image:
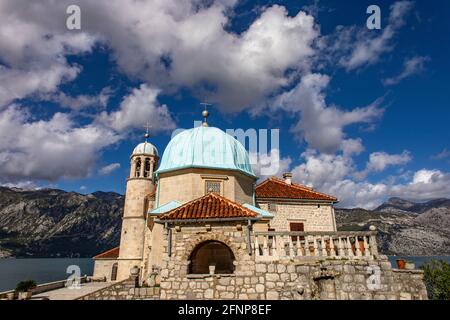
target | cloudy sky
[{"x": 363, "y": 114}]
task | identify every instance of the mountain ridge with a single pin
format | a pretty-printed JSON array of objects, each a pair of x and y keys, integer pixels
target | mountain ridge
[{"x": 58, "y": 223}]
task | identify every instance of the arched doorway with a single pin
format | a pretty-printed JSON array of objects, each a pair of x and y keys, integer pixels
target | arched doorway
[
  {"x": 211, "y": 253},
  {"x": 114, "y": 272}
]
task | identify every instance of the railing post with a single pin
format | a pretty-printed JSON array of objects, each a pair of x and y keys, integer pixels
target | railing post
[
  {"x": 373, "y": 241},
  {"x": 324, "y": 247},
  {"x": 291, "y": 248},
  {"x": 358, "y": 247},
  {"x": 307, "y": 251},
  {"x": 366, "y": 247},
  {"x": 257, "y": 253},
  {"x": 275, "y": 247},
  {"x": 349, "y": 248},
  {"x": 332, "y": 252},
  {"x": 316, "y": 248},
  {"x": 265, "y": 247},
  {"x": 299, "y": 247},
  {"x": 341, "y": 251}
]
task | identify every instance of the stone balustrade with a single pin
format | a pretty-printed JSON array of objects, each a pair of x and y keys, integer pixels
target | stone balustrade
[{"x": 273, "y": 246}]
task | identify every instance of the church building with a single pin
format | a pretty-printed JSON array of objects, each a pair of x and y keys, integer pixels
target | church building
[
  {"x": 197, "y": 224},
  {"x": 204, "y": 177}
]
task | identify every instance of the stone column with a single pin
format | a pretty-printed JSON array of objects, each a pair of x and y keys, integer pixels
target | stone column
[
  {"x": 142, "y": 167},
  {"x": 132, "y": 168}
]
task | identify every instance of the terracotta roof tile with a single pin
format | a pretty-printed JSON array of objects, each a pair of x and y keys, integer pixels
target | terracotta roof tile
[
  {"x": 211, "y": 206},
  {"x": 110, "y": 254},
  {"x": 277, "y": 188}
]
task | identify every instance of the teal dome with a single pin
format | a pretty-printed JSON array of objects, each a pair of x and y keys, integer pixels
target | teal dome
[{"x": 205, "y": 147}]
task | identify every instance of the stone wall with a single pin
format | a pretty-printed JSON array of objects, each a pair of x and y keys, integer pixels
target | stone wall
[
  {"x": 188, "y": 184},
  {"x": 326, "y": 280},
  {"x": 314, "y": 216},
  {"x": 103, "y": 268},
  {"x": 285, "y": 279},
  {"x": 124, "y": 290}
]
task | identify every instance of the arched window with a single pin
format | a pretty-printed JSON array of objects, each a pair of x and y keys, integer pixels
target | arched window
[
  {"x": 147, "y": 168},
  {"x": 114, "y": 272},
  {"x": 138, "y": 168},
  {"x": 211, "y": 253}
]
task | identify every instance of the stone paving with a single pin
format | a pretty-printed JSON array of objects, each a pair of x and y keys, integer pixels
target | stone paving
[{"x": 71, "y": 294}]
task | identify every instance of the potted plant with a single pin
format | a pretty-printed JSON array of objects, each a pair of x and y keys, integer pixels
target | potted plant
[
  {"x": 24, "y": 289},
  {"x": 409, "y": 265},
  {"x": 401, "y": 263}
]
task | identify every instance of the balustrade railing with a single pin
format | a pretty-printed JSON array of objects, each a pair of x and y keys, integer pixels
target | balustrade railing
[{"x": 309, "y": 245}]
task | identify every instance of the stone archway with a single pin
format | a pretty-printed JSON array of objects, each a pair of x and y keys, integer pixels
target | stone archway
[{"x": 209, "y": 253}]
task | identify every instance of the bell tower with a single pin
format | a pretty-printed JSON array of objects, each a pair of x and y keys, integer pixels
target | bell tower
[{"x": 140, "y": 186}]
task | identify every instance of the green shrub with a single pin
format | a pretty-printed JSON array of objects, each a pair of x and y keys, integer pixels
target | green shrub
[
  {"x": 24, "y": 286},
  {"x": 437, "y": 279}
]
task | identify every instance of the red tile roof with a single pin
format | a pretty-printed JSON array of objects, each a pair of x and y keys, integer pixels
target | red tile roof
[
  {"x": 277, "y": 188},
  {"x": 110, "y": 254},
  {"x": 211, "y": 206}
]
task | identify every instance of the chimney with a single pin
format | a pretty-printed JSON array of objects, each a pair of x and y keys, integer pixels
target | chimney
[{"x": 287, "y": 177}]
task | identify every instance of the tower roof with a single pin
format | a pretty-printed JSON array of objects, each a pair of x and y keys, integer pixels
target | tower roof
[
  {"x": 145, "y": 148},
  {"x": 205, "y": 147}
]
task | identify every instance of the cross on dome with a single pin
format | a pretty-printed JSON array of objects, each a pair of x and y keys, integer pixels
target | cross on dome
[{"x": 147, "y": 129}]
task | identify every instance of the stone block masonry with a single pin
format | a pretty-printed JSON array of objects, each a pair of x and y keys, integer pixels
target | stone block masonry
[
  {"x": 299, "y": 278},
  {"x": 124, "y": 290},
  {"x": 322, "y": 278},
  {"x": 287, "y": 280}
]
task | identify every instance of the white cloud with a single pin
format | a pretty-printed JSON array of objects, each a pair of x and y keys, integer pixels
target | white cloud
[
  {"x": 352, "y": 147},
  {"x": 33, "y": 50},
  {"x": 359, "y": 46},
  {"x": 272, "y": 164},
  {"x": 109, "y": 168},
  {"x": 444, "y": 154},
  {"x": 320, "y": 125},
  {"x": 411, "y": 66},
  {"x": 334, "y": 174},
  {"x": 19, "y": 83},
  {"x": 378, "y": 161},
  {"x": 48, "y": 149},
  {"x": 81, "y": 101},
  {"x": 138, "y": 108},
  {"x": 171, "y": 44}
]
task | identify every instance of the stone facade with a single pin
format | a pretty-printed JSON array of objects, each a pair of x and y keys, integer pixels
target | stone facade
[
  {"x": 341, "y": 279},
  {"x": 314, "y": 216},
  {"x": 189, "y": 184},
  {"x": 103, "y": 268},
  {"x": 124, "y": 290}
]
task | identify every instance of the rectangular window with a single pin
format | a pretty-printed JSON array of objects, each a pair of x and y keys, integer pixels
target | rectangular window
[
  {"x": 212, "y": 186},
  {"x": 297, "y": 227}
]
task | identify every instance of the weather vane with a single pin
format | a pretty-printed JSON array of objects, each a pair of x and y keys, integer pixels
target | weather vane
[{"x": 205, "y": 113}]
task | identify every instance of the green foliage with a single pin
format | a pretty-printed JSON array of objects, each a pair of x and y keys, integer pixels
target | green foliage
[
  {"x": 437, "y": 279},
  {"x": 24, "y": 286}
]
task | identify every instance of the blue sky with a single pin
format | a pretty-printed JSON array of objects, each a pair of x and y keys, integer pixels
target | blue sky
[{"x": 363, "y": 114}]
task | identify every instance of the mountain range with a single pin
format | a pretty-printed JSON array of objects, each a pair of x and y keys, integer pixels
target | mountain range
[{"x": 56, "y": 223}]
